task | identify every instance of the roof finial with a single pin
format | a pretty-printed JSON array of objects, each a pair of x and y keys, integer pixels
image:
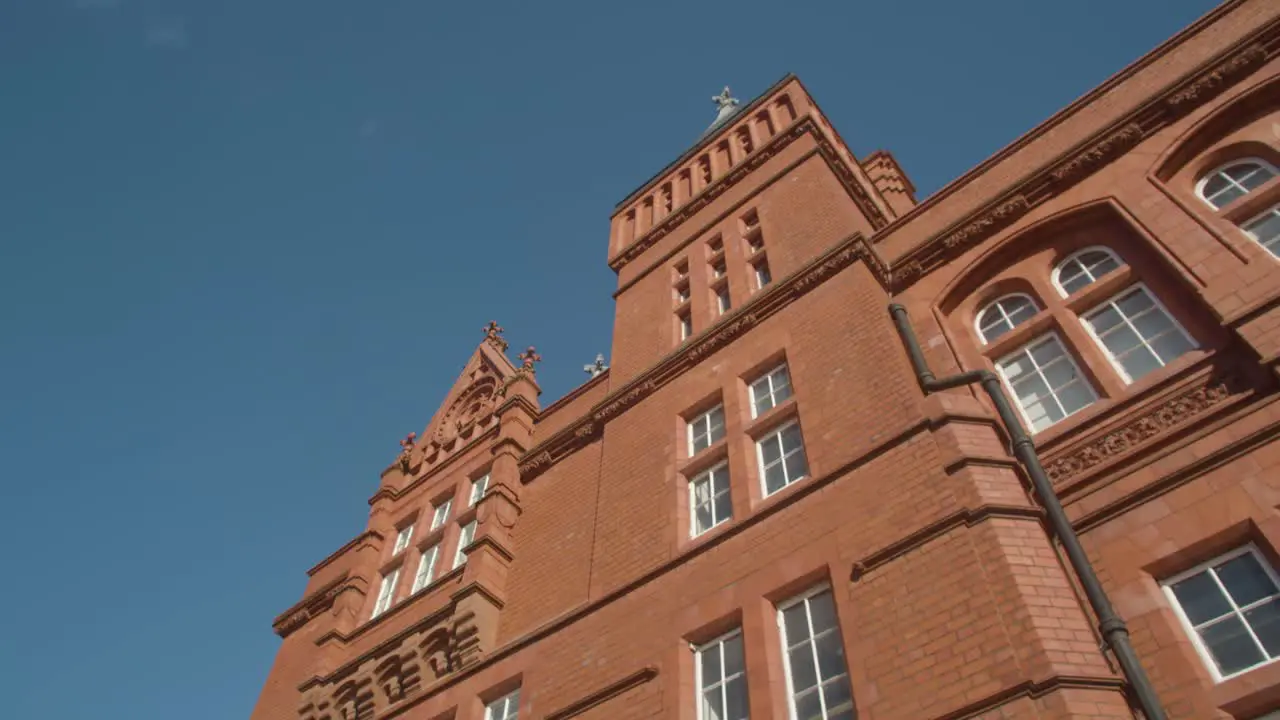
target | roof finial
[
  {"x": 493, "y": 334},
  {"x": 726, "y": 105},
  {"x": 594, "y": 369}
]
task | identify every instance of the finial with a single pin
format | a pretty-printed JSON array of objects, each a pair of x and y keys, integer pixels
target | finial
[
  {"x": 597, "y": 367},
  {"x": 493, "y": 334},
  {"x": 724, "y": 99},
  {"x": 528, "y": 358},
  {"x": 406, "y": 448},
  {"x": 726, "y": 106}
]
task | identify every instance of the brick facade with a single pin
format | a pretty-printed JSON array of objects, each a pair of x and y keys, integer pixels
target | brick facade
[{"x": 594, "y": 574}]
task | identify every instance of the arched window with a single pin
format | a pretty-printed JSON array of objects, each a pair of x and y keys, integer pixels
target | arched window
[
  {"x": 1233, "y": 181},
  {"x": 1083, "y": 268},
  {"x": 1004, "y": 315}
]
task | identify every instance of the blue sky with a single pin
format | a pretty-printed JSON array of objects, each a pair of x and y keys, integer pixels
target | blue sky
[{"x": 246, "y": 246}]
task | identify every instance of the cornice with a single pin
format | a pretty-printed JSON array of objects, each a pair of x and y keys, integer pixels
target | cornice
[
  {"x": 1084, "y": 159},
  {"x": 289, "y": 621},
  {"x": 805, "y": 125},
  {"x": 573, "y": 394},
  {"x": 367, "y": 534},
  {"x": 763, "y": 305}
]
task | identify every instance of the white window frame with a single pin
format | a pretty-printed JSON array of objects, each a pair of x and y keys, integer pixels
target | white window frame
[
  {"x": 701, "y": 418},
  {"x": 709, "y": 476},
  {"x": 786, "y": 656},
  {"x": 1057, "y": 269},
  {"x": 1244, "y": 228},
  {"x": 1155, "y": 299},
  {"x": 1013, "y": 393},
  {"x": 1205, "y": 656},
  {"x": 386, "y": 593},
  {"x": 782, "y": 458},
  {"x": 478, "y": 488},
  {"x": 717, "y": 643},
  {"x": 466, "y": 536},
  {"x": 426, "y": 562},
  {"x": 440, "y": 514},
  {"x": 686, "y": 325},
  {"x": 509, "y": 707},
  {"x": 1207, "y": 176},
  {"x": 751, "y": 388},
  {"x": 996, "y": 304},
  {"x": 403, "y": 537}
]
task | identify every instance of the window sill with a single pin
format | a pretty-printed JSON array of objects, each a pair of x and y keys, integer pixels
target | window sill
[
  {"x": 774, "y": 416},
  {"x": 706, "y": 459},
  {"x": 1250, "y": 693}
]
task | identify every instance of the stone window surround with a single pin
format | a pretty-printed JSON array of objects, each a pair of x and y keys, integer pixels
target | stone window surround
[{"x": 1034, "y": 275}]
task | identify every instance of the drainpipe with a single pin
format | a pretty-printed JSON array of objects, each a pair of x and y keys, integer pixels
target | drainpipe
[{"x": 1114, "y": 632}]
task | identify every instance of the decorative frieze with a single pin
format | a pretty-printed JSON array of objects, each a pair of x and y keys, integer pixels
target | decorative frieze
[
  {"x": 1098, "y": 154},
  {"x": 1138, "y": 431},
  {"x": 1217, "y": 79}
]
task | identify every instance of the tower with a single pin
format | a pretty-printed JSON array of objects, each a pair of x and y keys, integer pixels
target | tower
[{"x": 781, "y": 498}]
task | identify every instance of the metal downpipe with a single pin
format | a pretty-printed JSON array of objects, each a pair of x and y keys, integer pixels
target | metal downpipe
[{"x": 1114, "y": 632}]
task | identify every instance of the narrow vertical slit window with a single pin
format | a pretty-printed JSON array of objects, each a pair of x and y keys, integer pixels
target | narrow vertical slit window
[
  {"x": 465, "y": 538},
  {"x": 386, "y": 592},
  {"x": 817, "y": 674},
  {"x": 685, "y": 319},
  {"x": 504, "y": 708},
  {"x": 709, "y": 501},
  {"x": 402, "y": 539},
  {"x": 721, "y": 675},
  {"x": 426, "y": 567},
  {"x": 762, "y": 275},
  {"x": 722, "y": 299},
  {"x": 477, "y": 489},
  {"x": 441, "y": 514}
]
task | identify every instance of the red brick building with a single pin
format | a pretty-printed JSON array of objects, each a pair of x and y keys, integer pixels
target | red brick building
[{"x": 764, "y": 504}]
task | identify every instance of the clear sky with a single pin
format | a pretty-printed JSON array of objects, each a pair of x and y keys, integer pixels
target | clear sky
[{"x": 246, "y": 246}]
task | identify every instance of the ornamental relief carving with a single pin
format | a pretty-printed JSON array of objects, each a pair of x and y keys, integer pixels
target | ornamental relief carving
[
  {"x": 392, "y": 676},
  {"x": 1155, "y": 421}
]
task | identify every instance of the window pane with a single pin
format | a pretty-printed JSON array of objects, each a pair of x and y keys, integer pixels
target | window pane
[
  {"x": 1172, "y": 346},
  {"x": 1139, "y": 362},
  {"x": 774, "y": 478},
  {"x": 1265, "y": 621},
  {"x": 710, "y": 665},
  {"x": 1266, "y": 230},
  {"x": 803, "y": 674},
  {"x": 830, "y": 655},
  {"x": 770, "y": 450},
  {"x": 1015, "y": 367},
  {"x": 791, "y": 438},
  {"x": 796, "y": 466},
  {"x": 837, "y": 693},
  {"x": 733, "y": 656},
  {"x": 1153, "y": 323},
  {"x": 1059, "y": 373},
  {"x": 712, "y": 705},
  {"x": 723, "y": 508},
  {"x": 702, "y": 516},
  {"x": 822, "y": 612},
  {"x": 1245, "y": 579},
  {"x": 1075, "y": 396},
  {"x": 1120, "y": 340},
  {"x": 717, "y": 424},
  {"x": 1200, "y": 598},
  {"x": 1230, "y": 645},
  {"x": 1047, "y": 351},
  {"x": 796, "y": 624},
  {"x": 808, "y": 706},
  {"x": 1104, "y": 320},
  {"x": 1073, "y": 277},
  {"x": 736, "y": 699}
]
